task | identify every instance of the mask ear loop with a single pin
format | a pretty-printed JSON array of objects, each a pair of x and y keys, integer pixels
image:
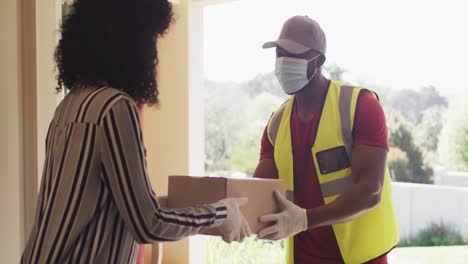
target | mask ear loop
[
  {"x": 315, "y": 57},
  {"x": 310, "y": 79},
  {"x": 313, "y": 74}
]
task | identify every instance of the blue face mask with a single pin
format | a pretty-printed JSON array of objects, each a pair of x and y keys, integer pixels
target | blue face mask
[{"x": 292, "y": 73}]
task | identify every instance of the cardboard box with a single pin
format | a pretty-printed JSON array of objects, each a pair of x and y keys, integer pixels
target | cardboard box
[{"x": 185, "y": 191}]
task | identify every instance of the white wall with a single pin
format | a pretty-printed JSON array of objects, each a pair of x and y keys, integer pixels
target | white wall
[
  {"x": 417, "y": 205},
  {"x": 48, "y": 14},
  {"x": 10, "y": 133},
  {"x": 450, "y": 178},
  {"x": 166, "y": 130}
]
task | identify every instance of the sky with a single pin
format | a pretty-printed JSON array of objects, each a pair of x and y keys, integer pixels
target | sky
[{"x": 398, "y": 44}]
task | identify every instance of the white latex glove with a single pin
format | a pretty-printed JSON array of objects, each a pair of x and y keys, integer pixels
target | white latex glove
[
  {"x": 290, "y": 221},
  {"x": 235, "y": 227}
]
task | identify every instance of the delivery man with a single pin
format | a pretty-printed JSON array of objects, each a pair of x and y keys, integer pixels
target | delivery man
[{"x": 329, "y": 143}]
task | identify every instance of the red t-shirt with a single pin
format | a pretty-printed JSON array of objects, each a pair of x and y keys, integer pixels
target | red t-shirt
[{"x": 319, "y": 245}]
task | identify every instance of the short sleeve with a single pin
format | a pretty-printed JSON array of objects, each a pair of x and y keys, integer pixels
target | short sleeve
[
  {"x": 266, "y": 148},
  {"x": 370, "y": 127}
]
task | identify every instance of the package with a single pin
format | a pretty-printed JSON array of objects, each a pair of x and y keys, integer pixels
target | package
[{"x": 185, "y": 191}]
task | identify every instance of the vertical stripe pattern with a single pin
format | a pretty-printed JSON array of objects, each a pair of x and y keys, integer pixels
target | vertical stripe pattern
[{"x": 96, "y": 201}]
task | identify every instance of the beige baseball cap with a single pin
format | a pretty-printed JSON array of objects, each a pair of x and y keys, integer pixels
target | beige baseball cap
[{"x": 300, "y": 34}]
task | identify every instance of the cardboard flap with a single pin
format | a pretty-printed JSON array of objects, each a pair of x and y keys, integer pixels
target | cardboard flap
[{"x": 190, "y": 191}]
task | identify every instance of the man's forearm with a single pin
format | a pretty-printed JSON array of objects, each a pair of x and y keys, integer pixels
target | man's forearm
[{"x": 351, "y": 204}]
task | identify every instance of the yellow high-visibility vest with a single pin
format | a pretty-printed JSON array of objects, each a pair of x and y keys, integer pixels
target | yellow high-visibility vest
[{"x": 372, "y": 234}]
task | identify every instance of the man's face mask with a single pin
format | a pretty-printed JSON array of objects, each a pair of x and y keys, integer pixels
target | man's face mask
[{"x": 292, "y": 73}]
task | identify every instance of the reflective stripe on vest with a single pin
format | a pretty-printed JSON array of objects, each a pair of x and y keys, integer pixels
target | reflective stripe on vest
[{"x": 346, "y": 93}]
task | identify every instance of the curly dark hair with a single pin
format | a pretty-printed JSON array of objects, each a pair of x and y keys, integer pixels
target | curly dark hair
[{"x": 113, "y": 43}]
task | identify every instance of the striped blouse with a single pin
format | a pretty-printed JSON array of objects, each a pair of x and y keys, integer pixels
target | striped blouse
[{"x": 96, "y": 202}]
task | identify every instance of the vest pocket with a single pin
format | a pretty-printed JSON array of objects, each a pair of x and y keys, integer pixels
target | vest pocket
[{"x": 333, "y": 160}]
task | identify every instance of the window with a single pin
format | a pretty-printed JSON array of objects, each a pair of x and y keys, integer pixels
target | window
[{"x": 411, "y": 53}]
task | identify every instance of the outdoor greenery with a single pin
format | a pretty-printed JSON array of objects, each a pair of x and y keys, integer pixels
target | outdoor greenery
[
  {"x": 236, "y": 115},
  {"x": 436, "y": 234},
  {"x": 251, "y": 251},
  {"x": 415, "y": 122},
  {"x": 409, "y": 166},
  {"x": 453, "y": 145}
]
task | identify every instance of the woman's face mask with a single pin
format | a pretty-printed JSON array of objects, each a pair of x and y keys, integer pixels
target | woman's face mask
[{"x": 292, "y": 73}]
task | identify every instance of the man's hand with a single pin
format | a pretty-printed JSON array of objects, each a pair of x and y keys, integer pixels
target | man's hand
[
  {"x": 235, "y": 227},
  {"x": 289, "y": 222}
]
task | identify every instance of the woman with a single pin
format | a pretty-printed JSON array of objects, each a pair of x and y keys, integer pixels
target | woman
[{"x": 96, "y": 203}]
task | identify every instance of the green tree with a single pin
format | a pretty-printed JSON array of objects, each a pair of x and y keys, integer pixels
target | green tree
[
  {"x": 428, "y": 130},
  {"x": 225, "y": 105},
  {"x": 453, "y": 143},
  {"x": 398, "y": 164},
  {"x": 421, "y": 111},
  {"x": 334, "y": 71},
  {"x": 234, "y": 123},
  {"x": 416, "y": 171},
  {"x": 463, "y": 152},
  {"x": 412, "y": 104},
  {"x": 265, "y": 83},
  {"x": 245, "y": 152}
]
